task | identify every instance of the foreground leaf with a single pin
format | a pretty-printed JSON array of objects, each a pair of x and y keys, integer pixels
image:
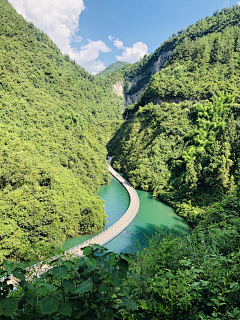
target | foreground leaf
[
  {"x": 65, "y": 308},
  {"x": 85, "y": 286},
  {"x": 60, "y": 271},
  {"x": 129, "y": 303},
  {"x": 49, "y": 304},
  {"x": 8, "y": 306}
]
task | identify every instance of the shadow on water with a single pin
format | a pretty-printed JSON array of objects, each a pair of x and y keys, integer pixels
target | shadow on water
[
  {"x": 136, "y": 237},
  {"x": 143, "y": 235},
  {"x": 154, "y": 216}
]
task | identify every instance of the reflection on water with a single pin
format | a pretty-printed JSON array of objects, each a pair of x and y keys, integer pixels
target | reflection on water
[
  {"x": 153, "y": 214},
  {"x": 116, "y": 203}
]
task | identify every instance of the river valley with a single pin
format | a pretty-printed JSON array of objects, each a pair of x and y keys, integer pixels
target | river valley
[{"x": 152, "y": 214}]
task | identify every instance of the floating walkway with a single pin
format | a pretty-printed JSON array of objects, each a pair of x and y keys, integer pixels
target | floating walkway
[
  {"x": 111, "y": 232},
  {"x": 103, "y": 237}
]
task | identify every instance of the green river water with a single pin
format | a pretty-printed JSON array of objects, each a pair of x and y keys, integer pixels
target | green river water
[{"x": 152, "y": 214}]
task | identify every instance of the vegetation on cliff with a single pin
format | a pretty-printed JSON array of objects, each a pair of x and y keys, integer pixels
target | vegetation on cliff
[
  {"x": 54, "y": 118},
  {"x": 52, "y": 149},
  {"x": 112, "y": 68}
]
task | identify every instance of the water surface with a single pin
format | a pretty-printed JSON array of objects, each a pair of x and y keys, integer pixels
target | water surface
[{"x": 153, "y": 214}]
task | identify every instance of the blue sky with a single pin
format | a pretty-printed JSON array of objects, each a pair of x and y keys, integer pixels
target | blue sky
[{"x": 97, "y": 33}]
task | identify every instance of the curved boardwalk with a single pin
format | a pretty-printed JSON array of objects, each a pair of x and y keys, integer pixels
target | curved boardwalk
[
  {"x": 117, "y": 227},
  {"x": 103, "y": 237}
]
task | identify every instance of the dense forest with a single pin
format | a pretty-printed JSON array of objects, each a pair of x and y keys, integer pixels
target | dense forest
[
  {"x": 52, "y": 154},
  {"x": 189, "y": 54},
  {"x": 179, "y": 141},
  {"x": 112, "y": 68}
]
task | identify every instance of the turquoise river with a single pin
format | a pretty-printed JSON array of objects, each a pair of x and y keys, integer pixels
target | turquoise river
[{"x": 152, "y": 214}]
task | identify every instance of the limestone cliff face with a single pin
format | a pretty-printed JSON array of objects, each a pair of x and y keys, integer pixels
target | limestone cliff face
[
  {"x": 118, "y": 88},
  {"x": 164, "y": 56},
  {"x": 138, "y": 83},
  {"x": 131, "y": 98}
]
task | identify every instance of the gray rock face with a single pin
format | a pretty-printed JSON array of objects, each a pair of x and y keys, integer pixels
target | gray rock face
[
  {"x": 156, "y": 67},
  {"x": 118, "y": 88}
]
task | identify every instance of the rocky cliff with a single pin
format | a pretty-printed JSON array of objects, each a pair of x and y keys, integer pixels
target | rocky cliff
[{"x": 138, "y": 82}]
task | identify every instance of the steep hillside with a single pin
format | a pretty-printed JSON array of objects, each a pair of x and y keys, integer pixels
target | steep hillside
[
  {"x": 52, "y": 154},
  {"x": 112, "y": 68},
  {"x": 181, "y": 140},
  {"x": 139, "y": 74},
  {"x": 186, "y": 153}
]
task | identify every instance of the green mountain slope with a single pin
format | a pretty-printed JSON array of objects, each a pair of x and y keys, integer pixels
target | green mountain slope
[
  {"x": 203, "y": 33},
  {"x": 113, "y": 67},
  {"x": 52, "y": 154},
  {"x": 188, "y": 153}
]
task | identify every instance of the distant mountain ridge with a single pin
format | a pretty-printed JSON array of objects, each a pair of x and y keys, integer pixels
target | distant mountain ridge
[{"x": 113, "y": 67}]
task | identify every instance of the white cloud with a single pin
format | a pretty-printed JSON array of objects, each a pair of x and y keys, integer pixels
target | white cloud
[
  {"x": 77, "y": 39},
  {"x": 88, "y": 55},
  {"x": 238, "y": 3},
  {"x": 134, "y": 53},
  {"x": 60, "y": 19},
  {"x": 116, "y": 42}
]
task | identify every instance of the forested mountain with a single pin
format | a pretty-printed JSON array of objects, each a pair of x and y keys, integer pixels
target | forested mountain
[
  {"x": 187, "y": 153},
  {"x": 180, "y": 140},
  {"x": 195, "y": 42},
  {"x": 113, "y": 67},
  {"x": 52, "y": 153}
]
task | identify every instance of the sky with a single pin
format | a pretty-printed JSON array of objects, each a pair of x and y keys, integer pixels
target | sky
[{"x": 96, "y": 33}]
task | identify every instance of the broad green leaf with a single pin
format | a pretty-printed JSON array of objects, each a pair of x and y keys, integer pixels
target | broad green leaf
[
  {"x": 49, "y": 304},
  {"x": 85, "y": 286},
  {"x": 69, "y": 285},
  {"x": 68, "y": 264},
  {"x": 114, "y": 280},
  {"x": 106, "y": 254},
  {"x": 92, "y": 263},
  {"x": 123, "y": 271},
  {"x": 126, "y": 257},
  {"x": 129, "y": 303},
  {"x": 60, "y": 271},
  {"x": 103, "y": 288},
  {"x": 233, "y": 285},
  {"x": 8, "y": 306},
  {"x": 111, "y": 260},
  {"x": 50, "y": 287},
  {"x": 236, "y": 288},
  {"x": 65, "y": 308},
  {"x": 19, "y": 265},
  {"x": 195, "y": 285},
  {"x": 42, "y": 290},
  {"x": 123, "y": 263},
  {"x": 8, "y": 266},
  {"x": 18, "y": 275},
  {"x": 144, "y": 305},
  {"x": 87, "y": 251},
  {"x": 29, "y": 298},
  {"x": 29, "y": 286}
]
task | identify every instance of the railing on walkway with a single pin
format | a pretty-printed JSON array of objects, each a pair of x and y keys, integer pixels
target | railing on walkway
[
  {"x": 103, "y": 237},
  {"x": 112, "y": 231}
]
